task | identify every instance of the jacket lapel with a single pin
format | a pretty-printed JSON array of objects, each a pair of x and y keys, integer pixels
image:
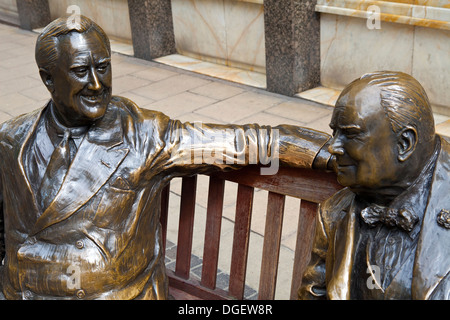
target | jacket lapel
[
  {"x": 95, "y": 162},
  {"x": 344, "y": 247},
  {"x": 28, "y": 193},
  {"x": 433, "y": 252}
]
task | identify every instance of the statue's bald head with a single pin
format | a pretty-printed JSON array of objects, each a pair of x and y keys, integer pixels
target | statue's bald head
[{"x": 403, "y": 99}]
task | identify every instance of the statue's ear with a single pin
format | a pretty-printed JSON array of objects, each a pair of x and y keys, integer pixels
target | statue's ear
[
  {"x": 407, "y": 142},
  {"x": 47, "y": 78}
]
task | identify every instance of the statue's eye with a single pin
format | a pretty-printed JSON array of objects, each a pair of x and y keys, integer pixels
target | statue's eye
[
  {"x": 103, "y": 67},
  {"x": 80, "y": 71},
  {"x": 351, "y": 133}
]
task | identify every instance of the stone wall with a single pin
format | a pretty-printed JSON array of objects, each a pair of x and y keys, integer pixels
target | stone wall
[
  {"x": 9, "y": 12},
  {"x": 298, "y": 44},
  {"x": 111, "y": 15},
  {"x": 412, "y": 38}
]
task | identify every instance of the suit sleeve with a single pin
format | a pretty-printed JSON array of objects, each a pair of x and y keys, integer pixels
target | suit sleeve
[
  {"x": 2, "y": 226},
  {"x": 2, "y": 218},
  {"x": 314, "y": 278},
  {"x": 194, "y": 145}
]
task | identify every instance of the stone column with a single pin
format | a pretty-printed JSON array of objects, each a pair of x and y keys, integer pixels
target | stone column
[
  {"x": 33, "y": 13},
  {"x": 292, "y": 29},
  {"x": 152, "y": 28}
]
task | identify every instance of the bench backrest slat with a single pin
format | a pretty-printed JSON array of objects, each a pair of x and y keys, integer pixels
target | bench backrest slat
[
  {"x": 186, "y": 227},
  {"x": 312, "y": 187},
  {"x": 271, "y": 248},
  {"x": 212, "y": 232},
  {"x": 244, "y": 205}
]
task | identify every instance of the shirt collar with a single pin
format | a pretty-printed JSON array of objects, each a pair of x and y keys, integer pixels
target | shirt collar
[{"x": 54, "y": 127}]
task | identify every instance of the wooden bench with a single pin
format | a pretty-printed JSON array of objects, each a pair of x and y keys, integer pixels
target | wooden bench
[{"x": 311, "y": 186}]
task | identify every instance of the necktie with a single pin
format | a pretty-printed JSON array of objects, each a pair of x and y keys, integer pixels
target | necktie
[
  {"x": 56, "y": 171},
  {"x": 401, "y": 218}
]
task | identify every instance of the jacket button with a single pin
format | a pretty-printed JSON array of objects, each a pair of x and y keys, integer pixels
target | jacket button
[
  {"x": 79, "y": 244},
  {"x": 27, "y": 295},
  {"x": 81, "y": 294}
]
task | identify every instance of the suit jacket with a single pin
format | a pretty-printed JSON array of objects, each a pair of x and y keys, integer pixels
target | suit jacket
[
  {"x": 329, "y": 274},
  {"x": 104, "y": 222}
]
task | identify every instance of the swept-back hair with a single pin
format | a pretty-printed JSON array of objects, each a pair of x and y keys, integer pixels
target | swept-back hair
[
  {"x": 404, "y": 101},
  {"x": 47, "y": 43}
]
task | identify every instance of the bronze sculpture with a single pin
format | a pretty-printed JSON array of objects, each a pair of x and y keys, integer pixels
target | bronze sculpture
[
  {"x": 387, "y": 235},
  {"x": 81, "y": 178}
]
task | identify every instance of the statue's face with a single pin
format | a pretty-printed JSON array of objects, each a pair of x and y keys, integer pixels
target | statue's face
[
  {"x": 82, "y": 79},
  {"x": 363, "y": 143}
]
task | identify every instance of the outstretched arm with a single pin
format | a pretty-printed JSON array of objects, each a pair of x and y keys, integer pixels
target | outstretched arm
[
  {"x": 204, "y": 147},
  {"x": 304, "y": 147}
]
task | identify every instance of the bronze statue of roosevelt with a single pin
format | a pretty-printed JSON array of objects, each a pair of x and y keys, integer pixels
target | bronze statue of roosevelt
[{"x": 81, "y": 178}]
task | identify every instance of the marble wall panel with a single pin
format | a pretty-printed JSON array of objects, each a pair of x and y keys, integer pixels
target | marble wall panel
[
  {"x": 9, "y": 5},
  {"x": 111, "y": 15},
  {"x": 227, "y": 32},
  {"x": 8, "y": 11},
  {"x": 200, "y": 29},
  {"x": 245, "y": 35},
  {"x": 430, "y": 3},
  {"x": 433, "y": 14},
  {"x": 349, "y": 49},
  {"x": 431, "y": 65}
]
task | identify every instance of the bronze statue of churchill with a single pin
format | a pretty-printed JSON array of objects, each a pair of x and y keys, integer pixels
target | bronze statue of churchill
[
  {"x": 386, "y": 236},
  {"x": 81, "y": 177}
]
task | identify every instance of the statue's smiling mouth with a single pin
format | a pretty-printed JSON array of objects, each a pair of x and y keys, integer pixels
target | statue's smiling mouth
[
  {"x": 93, "y": 98},
  {"x": 344, "y": 162}
]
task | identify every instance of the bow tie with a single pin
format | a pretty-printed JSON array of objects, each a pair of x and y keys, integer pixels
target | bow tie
[{"x": 401, "y": 218}]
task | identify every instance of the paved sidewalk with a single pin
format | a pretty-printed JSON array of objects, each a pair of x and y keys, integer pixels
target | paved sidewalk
[
  {"x": 189, "y": 97},
  {"x": 179, "y": 94}
]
